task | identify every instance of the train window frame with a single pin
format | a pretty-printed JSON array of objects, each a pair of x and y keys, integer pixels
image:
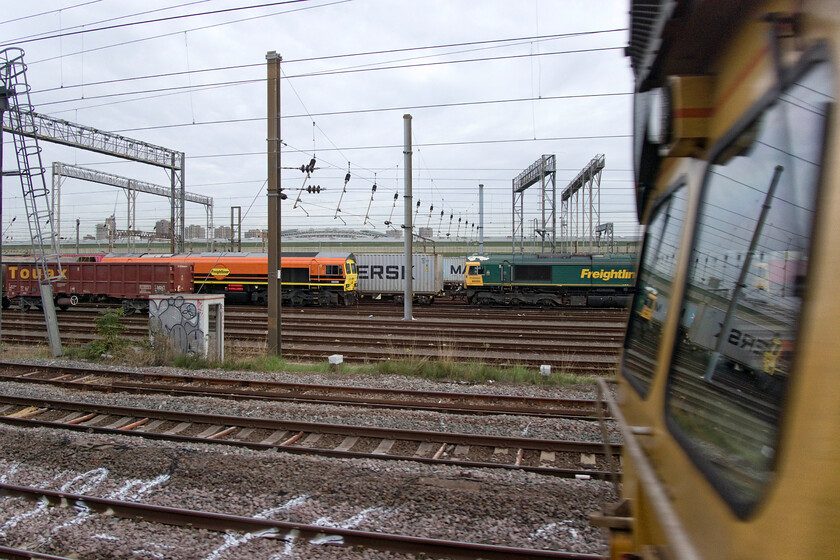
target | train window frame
[
  {"x": 661, "y": 204},
  {"x": 744, "y": 508}
]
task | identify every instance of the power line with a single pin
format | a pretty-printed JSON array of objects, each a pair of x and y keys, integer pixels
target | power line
[
  {"x": 437, "y": 144},
  {"x": 336, "y": 56},
  {"x": 104, "y": 20},
  {"x": 105, "y": 47},
  {"x": 50, "y": 12},
  {"x": 334, "y": 72},
  {"x": 156, "y": 20},
  {"x": 380, "y": 110}
]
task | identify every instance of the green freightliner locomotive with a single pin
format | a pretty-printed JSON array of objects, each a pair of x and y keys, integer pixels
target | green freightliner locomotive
[{"x": 551, "y": 280}]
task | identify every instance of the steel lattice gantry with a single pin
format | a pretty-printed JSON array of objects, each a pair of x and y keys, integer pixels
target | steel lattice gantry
[
  {"x": 88, "y": 138},
  {"x": 131, "y": 186},
  {"x": 542, "y": 169},
  {"x": 17, "y": 111},
  {"x": 580, "y": 206}
]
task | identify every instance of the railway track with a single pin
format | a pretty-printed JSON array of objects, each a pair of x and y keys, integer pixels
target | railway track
[
  {"x": 264, "y": 528},
  {"x": 587, "y": 346},
  {"x": 338, "y": 395},
  {"x": 543, "y": 456}
]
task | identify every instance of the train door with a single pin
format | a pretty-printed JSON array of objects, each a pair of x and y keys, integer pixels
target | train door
[{"x": 506, "y": 275}]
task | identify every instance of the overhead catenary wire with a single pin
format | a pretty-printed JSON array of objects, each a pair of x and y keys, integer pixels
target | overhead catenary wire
[
  {"x": 287, "y": 62},
  {"x": 372, "y": 110},
  {"x": 48, "y": 12},
  {"x": 374, "y": 211},
  {"x": 148, "y": 21},
  {"x": 342, "y": 71}
]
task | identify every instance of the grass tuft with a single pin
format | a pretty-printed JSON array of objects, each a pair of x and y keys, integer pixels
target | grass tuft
[{"x": 446, "y": 369}]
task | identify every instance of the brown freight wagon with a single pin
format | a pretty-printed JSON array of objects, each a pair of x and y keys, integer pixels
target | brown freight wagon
[{"x": 100, "y": 282}]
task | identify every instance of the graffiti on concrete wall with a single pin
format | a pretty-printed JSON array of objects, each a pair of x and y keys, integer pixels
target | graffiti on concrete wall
[{"x": 178, "y": 322}]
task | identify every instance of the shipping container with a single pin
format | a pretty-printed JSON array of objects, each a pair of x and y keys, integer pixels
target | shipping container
[
  {"x": 382, "y": 275},
  {"x": 454, "y": 269}
]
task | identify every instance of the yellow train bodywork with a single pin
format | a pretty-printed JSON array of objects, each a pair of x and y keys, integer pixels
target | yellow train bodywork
[{"x": 726, "y": 59}]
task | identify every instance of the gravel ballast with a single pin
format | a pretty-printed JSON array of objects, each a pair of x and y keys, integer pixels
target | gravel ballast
[{"x": 479, "y": 505}]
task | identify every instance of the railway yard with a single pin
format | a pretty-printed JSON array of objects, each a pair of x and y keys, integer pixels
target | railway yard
[
  {"x": 125, "y": 462},
  {"x": 585, "y": 340}
]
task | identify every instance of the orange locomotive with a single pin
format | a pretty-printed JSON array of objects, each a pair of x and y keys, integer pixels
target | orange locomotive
[{"x": 326, "y": 279}]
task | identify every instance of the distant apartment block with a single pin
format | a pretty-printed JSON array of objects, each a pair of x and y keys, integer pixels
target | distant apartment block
[
  {"x": 223, "y": 232},
  {"x": 195, "y": 231},
  {"x": 163, "y": 228}
]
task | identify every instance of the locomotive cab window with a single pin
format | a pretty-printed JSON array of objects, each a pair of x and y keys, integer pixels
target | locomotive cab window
[
  {"x": 333, "y": 270},
  {"x": 653, "y": 289},
  {"x": 735, "y": 352}
]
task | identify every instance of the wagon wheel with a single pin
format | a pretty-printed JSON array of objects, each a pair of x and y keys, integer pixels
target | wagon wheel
[
  {"x": 546, "y": 302},
  {"x": 297, "y": 299}
]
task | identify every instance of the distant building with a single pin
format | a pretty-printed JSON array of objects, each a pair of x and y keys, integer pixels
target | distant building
[
  {"x": 163, "y": 228},
  {"x": 426, "y": 232},
  {"x": 397, "y": 233},
  {"x": 195, "y": 231},
  {"x": 256, "y": 233},
  {"x": 103, "y": 230},
  {"x": 223, "y": 232}
]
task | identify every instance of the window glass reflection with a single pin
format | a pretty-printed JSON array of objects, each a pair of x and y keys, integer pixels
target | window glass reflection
[
  {"x": 740, "y": 312},
  {"x": 656, "y": 274}
]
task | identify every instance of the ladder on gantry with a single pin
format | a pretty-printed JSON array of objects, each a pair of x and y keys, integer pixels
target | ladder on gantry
[{"x": 20, "y": 119}]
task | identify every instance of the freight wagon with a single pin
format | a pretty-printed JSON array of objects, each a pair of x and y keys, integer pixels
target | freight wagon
[
  {"x": 130, "y": 284},
  {"x": 382, "y": 276},
  {"x": 551, "y": 280}
]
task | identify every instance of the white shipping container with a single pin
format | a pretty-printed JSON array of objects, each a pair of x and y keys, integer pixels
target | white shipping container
[
  {"x": 384, "y": 274},
  {"x": 453, "y": 270}
]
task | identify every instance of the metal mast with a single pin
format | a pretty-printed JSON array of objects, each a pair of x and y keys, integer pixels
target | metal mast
[
  {"x": 131, "y": 186},
  {"x": 33, "y": 183},
  {"x": 537, "y": 172},
  {"x": 580, "y": 205},
  {"x": 66, "y": 133},
  {"x": 275, "y": 195}
]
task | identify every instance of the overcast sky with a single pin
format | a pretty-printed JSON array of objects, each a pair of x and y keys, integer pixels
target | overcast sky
[{"x": 555, "y": 82}]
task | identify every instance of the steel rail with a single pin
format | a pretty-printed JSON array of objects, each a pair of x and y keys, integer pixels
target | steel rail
[
  {"x": 20, "y": 554},
  {"x": 593, "y": 364},
  {"x": 41, "y": 406},
  {"x": 285, "y": 531},
  {"x": 509, "y": 442},
  {"x": 451, "y": 402},
  {"x": 422, "y": 336},
  {"x": 569, "y": 330}
]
